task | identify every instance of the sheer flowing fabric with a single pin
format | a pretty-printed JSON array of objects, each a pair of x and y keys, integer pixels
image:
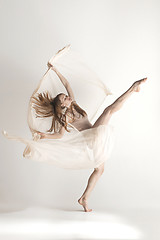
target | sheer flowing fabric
[{"x": 77, "y": 149}]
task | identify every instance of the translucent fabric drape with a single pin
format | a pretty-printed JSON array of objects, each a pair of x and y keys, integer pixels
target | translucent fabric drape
[{"x": 91, "y": 146}]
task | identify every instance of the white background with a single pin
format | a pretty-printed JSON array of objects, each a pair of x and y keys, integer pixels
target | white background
[{"x": 120, "y": 41}]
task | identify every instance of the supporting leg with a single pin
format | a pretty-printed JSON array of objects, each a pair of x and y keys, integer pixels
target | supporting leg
[{"x": 91, "y": 184}]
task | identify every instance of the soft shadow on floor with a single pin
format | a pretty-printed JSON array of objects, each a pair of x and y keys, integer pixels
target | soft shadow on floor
[{"x": 66, "y": 223}]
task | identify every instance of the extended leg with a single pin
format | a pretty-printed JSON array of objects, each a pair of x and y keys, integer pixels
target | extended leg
[
  {"x": 103, "y": 119},
  {"x": 116, "y": 105},
  {"x": 91, "y": 184}
]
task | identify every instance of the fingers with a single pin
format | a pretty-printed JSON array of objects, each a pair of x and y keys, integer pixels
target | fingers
[{"x": 36, "y": 136}]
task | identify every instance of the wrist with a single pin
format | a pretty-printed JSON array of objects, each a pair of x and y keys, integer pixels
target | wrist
[
  {"x": 49, "y": 65},
  {"x": 54, "y": 69},
  {"x": 43, "y": 135}
]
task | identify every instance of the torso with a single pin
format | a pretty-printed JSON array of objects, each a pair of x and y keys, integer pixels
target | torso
[{"x": 81, "y": 122}]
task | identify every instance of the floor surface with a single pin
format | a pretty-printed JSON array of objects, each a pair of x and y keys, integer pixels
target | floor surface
[{"x": 47, "y": 223}]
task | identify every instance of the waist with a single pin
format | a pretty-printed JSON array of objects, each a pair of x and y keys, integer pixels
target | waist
[{"x": 81, "y": 127}]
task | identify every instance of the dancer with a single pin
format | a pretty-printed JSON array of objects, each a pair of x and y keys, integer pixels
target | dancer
[
  {"x": 62, "y": 101},
  {"x": 51, "y": 113}
]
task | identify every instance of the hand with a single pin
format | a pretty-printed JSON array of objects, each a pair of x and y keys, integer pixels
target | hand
[
  {"x": 42, "y": 135},
  {"x": 54, "y": 69},
  {"x": 49, "y": 65},
  {"x": 38, "y": 135}
]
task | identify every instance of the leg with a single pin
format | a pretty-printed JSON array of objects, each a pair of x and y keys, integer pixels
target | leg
[
  {"x": 103, "y": 119},
  {"x": 115, "y": 106},
  {"x": 91, "y": 184}
]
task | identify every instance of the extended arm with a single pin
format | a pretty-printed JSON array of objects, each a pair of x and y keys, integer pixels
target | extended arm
[
  {"x": 64, "y": 82},
  {"x": 53, "y": 135}
]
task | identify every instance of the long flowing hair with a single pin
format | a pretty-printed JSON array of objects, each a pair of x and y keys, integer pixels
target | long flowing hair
[{"x": 46, "y": 106}]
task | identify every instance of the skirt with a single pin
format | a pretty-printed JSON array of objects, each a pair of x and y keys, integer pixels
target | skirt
[{"x": 76, "y": 150}]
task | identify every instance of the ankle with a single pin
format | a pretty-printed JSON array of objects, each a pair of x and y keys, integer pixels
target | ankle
[{"x": 84, "y": 198}]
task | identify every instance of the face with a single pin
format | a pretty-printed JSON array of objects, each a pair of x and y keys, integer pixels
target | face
[{"x": 65, "y": 100}]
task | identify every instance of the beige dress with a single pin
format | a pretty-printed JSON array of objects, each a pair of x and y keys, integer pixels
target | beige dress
[{"x": 83, "y": 147}]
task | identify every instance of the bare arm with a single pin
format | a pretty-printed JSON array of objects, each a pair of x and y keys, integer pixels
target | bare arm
[
  {"x": 64, "y": 82},
  {"x": 53, "y": 135}
]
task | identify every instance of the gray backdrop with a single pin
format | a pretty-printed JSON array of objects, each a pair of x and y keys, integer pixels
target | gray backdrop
[{"x": 120, "y": 41}]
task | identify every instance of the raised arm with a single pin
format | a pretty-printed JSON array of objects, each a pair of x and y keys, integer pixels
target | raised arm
[{"x": 64, "y": 82}]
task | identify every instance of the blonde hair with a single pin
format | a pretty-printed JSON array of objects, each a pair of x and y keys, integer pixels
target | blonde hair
[{"x": 46, "y": 106}]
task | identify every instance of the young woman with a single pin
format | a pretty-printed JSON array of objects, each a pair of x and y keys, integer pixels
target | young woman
[{"x": 67, "y": 111}]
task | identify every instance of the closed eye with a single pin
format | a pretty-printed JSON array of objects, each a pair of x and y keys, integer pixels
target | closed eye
[{"x": 64, "y": 99}]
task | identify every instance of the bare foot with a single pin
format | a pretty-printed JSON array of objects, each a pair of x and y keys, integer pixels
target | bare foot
[
  {"x": 82, "y": 201},
  {"x": 63, "y": 49},
  {"x": 136, "y": 85}
]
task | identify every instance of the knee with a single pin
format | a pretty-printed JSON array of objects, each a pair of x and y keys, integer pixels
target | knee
[{"x": 108, "y": 110}]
